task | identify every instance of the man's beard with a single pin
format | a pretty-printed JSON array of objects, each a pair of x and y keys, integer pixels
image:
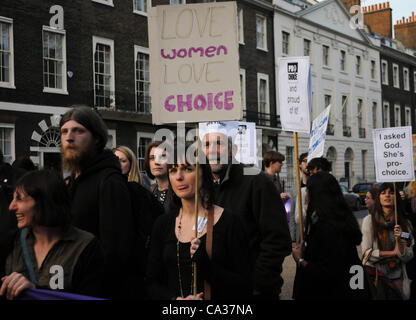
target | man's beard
[{"x": 74, "y": 159}]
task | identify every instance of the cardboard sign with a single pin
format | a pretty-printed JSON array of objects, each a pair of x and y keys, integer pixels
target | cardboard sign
[
  {"x": 393, "y": 154},
  {"x": 294, "y": 97},
  {"x": 318, "y": 135},
  {"x": 243, "y": 135},
  {"x": 194, "y": 63}
]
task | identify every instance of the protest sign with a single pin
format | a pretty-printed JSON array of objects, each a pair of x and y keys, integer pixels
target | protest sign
[
  {"x": 293, "y": 80},
  {"x": 393, "y": 154},
  {"x": 318, "y": 135},
  {"x": 194, "y": 64}
]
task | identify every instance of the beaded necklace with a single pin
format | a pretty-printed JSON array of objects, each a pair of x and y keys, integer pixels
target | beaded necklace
[{"x": 177, "y": 253}]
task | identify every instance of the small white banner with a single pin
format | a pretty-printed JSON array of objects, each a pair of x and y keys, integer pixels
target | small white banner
[
  {"x": 243, "y": 135},
  {"x": 393, "y": 154},
  {"x": 293, "y": 79},
  {"x": 318, "y": 135}
]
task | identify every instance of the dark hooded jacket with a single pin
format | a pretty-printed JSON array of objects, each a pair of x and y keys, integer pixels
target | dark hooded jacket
[
  {"x": 255, "y": 199},
  {"x": 101, "y": 205}
]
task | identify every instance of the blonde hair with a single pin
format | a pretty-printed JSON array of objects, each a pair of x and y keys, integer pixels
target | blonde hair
[
  {"x": 134, "y": 173},
  {"x": 412, "y": 189}
]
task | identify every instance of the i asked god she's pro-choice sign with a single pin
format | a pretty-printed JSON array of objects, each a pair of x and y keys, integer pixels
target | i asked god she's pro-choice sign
[
  {"x": 194, "y": 68},
  {"x": 393, "y": 154}
]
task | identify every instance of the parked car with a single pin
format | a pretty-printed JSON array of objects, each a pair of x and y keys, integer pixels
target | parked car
[
  {"x": 361, "y": 189},
  {"x": 353, "y": 199}
]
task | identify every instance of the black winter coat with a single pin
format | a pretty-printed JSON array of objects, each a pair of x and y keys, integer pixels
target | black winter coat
[
  {"x": 101, "y": 205},
  {"x": 255, "y": 199}
]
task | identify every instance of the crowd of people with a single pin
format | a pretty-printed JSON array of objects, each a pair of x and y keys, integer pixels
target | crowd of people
[{"x": 114, "y": 235}]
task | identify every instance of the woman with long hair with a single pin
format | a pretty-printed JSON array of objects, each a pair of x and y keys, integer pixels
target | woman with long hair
[
  {"x": 128, "y": 163},
  {"x": 388, "y": 246},
  {"x": 155, "y": 165},
  {"x": 370, "y": 199},
  {"x": 329, "y": 249},
  {"x": 47, "y": 239},
  {"x": 173, "y": 245}
]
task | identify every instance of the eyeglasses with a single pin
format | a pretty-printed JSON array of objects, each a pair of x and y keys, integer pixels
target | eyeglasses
[{"x": 304, "y": 160}]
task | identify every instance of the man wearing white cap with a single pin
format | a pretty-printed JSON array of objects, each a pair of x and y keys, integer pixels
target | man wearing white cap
[{"x": 253, "y": 197}]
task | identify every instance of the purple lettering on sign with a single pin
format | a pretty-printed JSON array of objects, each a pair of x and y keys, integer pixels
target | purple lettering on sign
[
  {"x": 209, "y": 101},
  {"x": 182, "y": 53},
  {"x": 224, "y": 48},
  {"x": 200, "y": 102},
  {"x": 196, "y": 50},
  {"x": 168, "y": 106},
  {"x": 209, "y": 52},
  {"x": 162, "y": 52},
  {"x": 218, "y": 104},
  {"x": 228, "y": 100},
  {"x": 182, "y": 103}
]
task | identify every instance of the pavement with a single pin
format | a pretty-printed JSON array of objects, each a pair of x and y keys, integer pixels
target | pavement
[{"x": 289, "y": 265}]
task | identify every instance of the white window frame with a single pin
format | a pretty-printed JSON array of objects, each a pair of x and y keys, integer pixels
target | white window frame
[
  {"x": 139, "y": 12},
  {"x": 386, "y": 115},
  {"x": 326, "y": 61},
  {"x": 396, "y": 76},
  {"x": 180, "y": 2},
  {"x": 285, "y": 44},
  {"x": 106, "y": 2},
  {"x": 10, "y": 84},
  {"x": 243, "y": 88},
  {"x": 360, "y": 114},
  {"x": 374, "y": 114},
  {"x": 144, "y": 50},
  {"x": 406, "y": 79},
  {"x": 140, "y": 134},
  {"x": 264, "y": 32},
  {"x": 240, "y": 25},
  {"x": 407, "y": 119},
  {"x": 64, "y": 89},
  {"x": 110, "y": 43},
  {"x": 310, "y": 47},
  {"x": 385, "y": 66},
  {"x": 397, "y": 119},
  {"x": 373, "y": 69},
  {"x": 112, "y": 133},
  {"x": 358, "y": 65},
  {"x": 13, "y": 140},
  {"x": 414, "y": 81},
  {"x": 263, "y": 76},
  {"x": 343, "y": 60}
]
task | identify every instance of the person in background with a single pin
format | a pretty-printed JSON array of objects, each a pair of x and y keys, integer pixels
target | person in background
[
  {"x": 128, "y": 164},
  {"x": 370, "y": 199},
  {"x": 174, "y": 246},
  {"x": 294, "y": 216},
  {"x": 42, "y": 207},
  {"x": 386, "y": 249},
  {"x": 329, "y": 250},
  {"x": 273, "y": 162},
  {"x": 145, "y": 207},
  {"x": 155, "y": 165},
  {"x": 318, "y": 164}
]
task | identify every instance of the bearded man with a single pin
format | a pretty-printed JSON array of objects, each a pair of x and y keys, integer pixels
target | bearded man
[{"x": 100, "y": 198}]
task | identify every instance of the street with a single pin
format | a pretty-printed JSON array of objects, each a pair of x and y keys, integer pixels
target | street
[{"x": 289, "y": 266}]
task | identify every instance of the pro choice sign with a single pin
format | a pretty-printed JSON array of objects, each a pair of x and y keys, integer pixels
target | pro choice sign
[
  {"x": 393, "y": 154},
  {"x": 194, "y": 67}
]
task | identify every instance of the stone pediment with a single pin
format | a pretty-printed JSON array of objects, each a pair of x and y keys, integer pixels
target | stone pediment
[{"x": 333, "y": 15}]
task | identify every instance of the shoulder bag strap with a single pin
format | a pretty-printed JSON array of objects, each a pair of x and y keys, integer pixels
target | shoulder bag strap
[
  {"x": 26, "y": 256},
  {"x": 208, "y": 247}
]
